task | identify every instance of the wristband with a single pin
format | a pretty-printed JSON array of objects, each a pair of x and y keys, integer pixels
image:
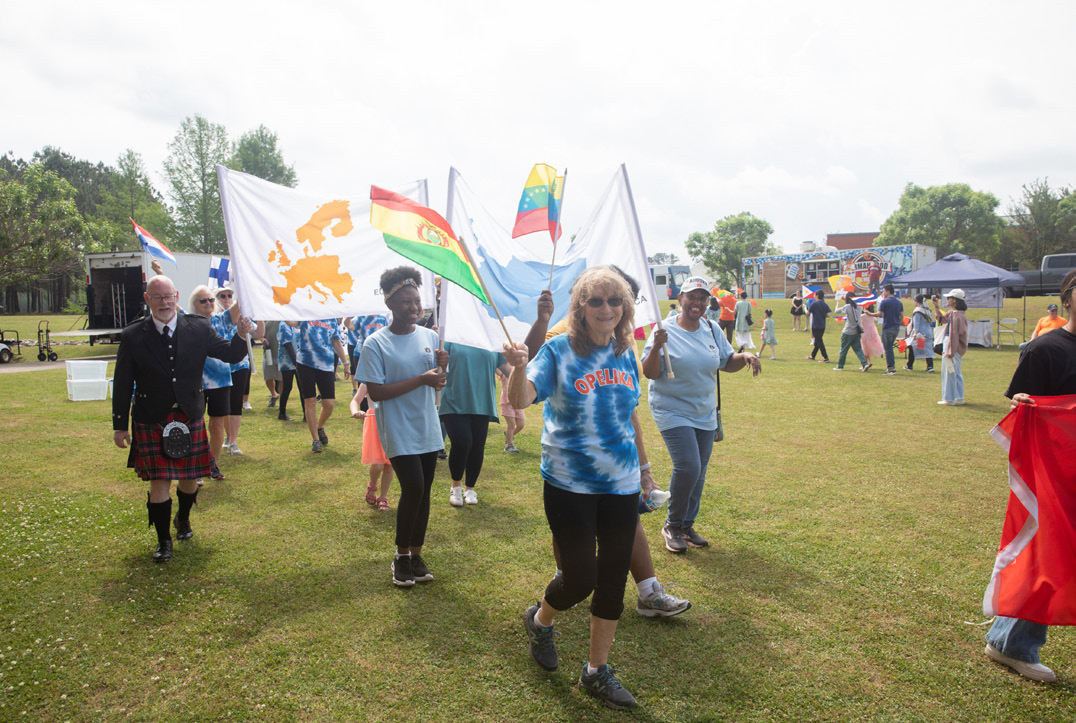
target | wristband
[{"x": 644, "y": 467}]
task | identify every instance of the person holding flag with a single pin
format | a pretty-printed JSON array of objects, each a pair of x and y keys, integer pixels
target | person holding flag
[{"x": 1047, "y": 368}]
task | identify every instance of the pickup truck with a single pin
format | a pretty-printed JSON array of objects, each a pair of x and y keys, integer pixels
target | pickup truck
[{"x": 1047, "y": 280}]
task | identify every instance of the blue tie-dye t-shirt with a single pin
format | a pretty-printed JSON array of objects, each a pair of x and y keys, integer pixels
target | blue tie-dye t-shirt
[
  {"x": 588, "y": 443},
  {"x": 216, "y": 373},
  {"x": 367, "y": 325},
  {"x": 284, "y": 334},
  {"x": 226, "y": 328},
  {"x": 315, "y": 347}
]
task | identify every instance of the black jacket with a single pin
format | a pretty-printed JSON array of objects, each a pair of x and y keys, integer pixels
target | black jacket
[{"x": 143, "y": 359}]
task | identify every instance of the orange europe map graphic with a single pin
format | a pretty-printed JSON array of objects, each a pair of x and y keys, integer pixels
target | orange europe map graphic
[{"x": 319, "y": 273}]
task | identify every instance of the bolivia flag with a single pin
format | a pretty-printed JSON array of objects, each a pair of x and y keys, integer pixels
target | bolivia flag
[
  {"x": 539, "y": 206},
  {"x": 424, "y": 236}
]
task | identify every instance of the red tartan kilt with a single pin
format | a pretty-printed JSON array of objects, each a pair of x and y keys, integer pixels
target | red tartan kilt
[{"x": 149, "y": 461}]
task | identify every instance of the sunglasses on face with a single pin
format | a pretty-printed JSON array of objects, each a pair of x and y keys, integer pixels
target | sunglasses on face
[
  {"x": 206, "y": 301},
  {"x": 224, "y": 296},
  {"x": 613, "y": 301}
]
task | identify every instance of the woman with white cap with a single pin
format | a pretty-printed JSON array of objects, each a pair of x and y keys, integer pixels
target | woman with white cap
[{"x": 954, "y": 345}]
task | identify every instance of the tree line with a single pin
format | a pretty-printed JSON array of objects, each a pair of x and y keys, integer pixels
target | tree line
[
  {"x": 952, "y": 218},
  {"x": 55, "y": 208}
]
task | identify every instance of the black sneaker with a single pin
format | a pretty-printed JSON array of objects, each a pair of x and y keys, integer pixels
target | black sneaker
[
  {"x": 402, "y": 575},
  {"x": 441, "y": 454},
  {"x": 692, "y": 538},
  {"x": 543, "y": 650},
  {"x": 323, "y": 438},
  {"x": 419, "y": 569},
  {"x": 604, "y": 686},
  {"x": 315, "y": 446},
  {"x": 674, "y": 539}
]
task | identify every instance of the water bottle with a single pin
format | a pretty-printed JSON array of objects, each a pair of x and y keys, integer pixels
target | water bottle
[{"x": 657, "y": 499}]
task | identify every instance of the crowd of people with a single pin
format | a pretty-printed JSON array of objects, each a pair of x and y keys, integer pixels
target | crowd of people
[{"x": 586, "y": 370}]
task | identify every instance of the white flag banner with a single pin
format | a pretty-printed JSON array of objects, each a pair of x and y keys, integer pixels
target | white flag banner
[
  {"x": 300, "y": 256},
  {"x": 516, "y": 271}
]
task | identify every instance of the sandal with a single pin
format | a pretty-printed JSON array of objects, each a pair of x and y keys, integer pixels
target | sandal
[
  {"x": 371, "y": 495},
  {"x": 383, "y": 504}
]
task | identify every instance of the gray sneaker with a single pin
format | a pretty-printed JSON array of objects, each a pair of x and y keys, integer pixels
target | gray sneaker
[
  {"x": 316, "y": 446},
  {"x": 660, "y": 604},
  {"x": 543, "y": 650},
  {"x": 604, "y": 686},
  {"x": 419, "y": 569},
  {"x": 692, "y": 538},
  {"x": 674, "y": 540}
]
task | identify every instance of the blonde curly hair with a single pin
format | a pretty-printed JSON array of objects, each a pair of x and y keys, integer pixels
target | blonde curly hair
[{"x": 601, "y": 281}]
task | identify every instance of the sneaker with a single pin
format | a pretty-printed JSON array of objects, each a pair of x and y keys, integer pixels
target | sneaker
[
  {"x": 455, "y": 496},
  {"x": 604, "y": 686},
  {"x": 838, "y": 369},
  {"x": 323, "y": 438},
  {"x": 660, "y": 604},
  {"x": 272, "y": 402},
  {"x": 442, "y": 454},
  {"x": 674, "y": 541},
  {"x": 824, "y": 361},
  {"x": 234, "y": 448},
  {"x": 692, "y": 538},
  {"x": 247, "y": 405},
  {"x": 867, "y": 366},
  {"x": 1035, "y": 671},
  {"x": 908, "y": 368},
  {"x": 773, "y": 358},
  {"x": 889, "y": 373},
  {"x": 960, "y": 402},
  {"x": 948, "y": 403},
  {"x": 511, "y": 449},
  {"x": 419, "y": 570},
  {"x": 470, "y": 497},
  {"x": 930, "y": 371},
  {"x": 316, "y": 446},
  {"x": 543, "y": 649},
  {"x": 227, "y": 441},
  {"x": 402, "y": 576}
]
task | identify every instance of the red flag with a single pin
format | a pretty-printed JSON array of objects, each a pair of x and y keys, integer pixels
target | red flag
[{"x": 1034, "y": 575}]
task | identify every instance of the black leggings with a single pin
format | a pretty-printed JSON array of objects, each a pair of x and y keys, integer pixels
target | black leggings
[
  {"x": 819, "y": 345},
  {"x": 287, "y": 377},
  {"x": 414, "y": 472},
  {"x": 911, "y": 359},
  {"x": 468, "y": 434},
  {"x": 240, "y": 387},
  {"x": 577, "y": 522}
]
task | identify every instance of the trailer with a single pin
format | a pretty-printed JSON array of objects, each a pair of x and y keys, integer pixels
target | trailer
[{"x": 116, "y": 281}]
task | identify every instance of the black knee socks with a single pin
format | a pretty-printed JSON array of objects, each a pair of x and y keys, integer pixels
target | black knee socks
[
  {"x": 160, "y": 517},
  {"x": 186, "y": 501}
]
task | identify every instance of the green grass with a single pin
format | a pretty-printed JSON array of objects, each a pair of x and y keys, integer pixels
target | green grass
[
  {"x": 76, "y": 347},
  {"x": 853, "y": 525}
]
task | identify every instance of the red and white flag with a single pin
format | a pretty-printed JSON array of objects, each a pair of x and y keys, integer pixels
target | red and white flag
[{"x": 1034, "y": 575}]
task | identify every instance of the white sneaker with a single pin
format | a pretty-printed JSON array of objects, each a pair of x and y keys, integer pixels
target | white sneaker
[
  {"x": 470, "y": 497},
  {"x": 1035, "y": 671},
  {"x": 233, "y": 448},
  {"x": 948, "y": 403},
  {"x": 959, "y": 402},
  {"x": 246, "y": 405},
  {"x": 455, "y": 496}
]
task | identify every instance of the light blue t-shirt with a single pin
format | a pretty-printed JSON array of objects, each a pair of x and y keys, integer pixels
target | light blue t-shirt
[
  {"x": 471, "y": 387},
  {"x": 224, "y": 326},
  {"x": 407, "y": 424},
  {"x": 216, "y": 374},
  {"x": 688, "y": 399},
  {"x": 588, "y": 443},
  {"x": 314, "y": 346},
  {"x": 284, "y": 334}
]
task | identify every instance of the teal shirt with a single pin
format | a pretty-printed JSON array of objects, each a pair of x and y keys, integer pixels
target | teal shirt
[{"x": 470, "y": 387}]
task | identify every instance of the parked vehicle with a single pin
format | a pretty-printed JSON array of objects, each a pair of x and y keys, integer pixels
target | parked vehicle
[
  {"x": 1047, "y": 280},
  {"x": 9, "y": 345},
  {"x": 668, "y": 279}
]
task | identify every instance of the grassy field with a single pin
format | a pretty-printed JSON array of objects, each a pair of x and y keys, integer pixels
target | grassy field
[
  {"x": 68, "y": 347},
  {"x": 853, "y": 525}
]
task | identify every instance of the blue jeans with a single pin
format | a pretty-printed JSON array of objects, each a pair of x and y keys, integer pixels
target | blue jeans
[
  {"x": 689, "y": 449},
  {"x": 889, "y": 338},
  {"x": 952, "y": 383},
  {"x": 1017, "y": 639},
  {"x": 851, "y": 341}
]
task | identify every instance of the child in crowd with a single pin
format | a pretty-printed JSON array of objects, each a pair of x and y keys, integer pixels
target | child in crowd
[
  {"x": 514, "y": 419},
  {"x": 372, "y": 453},
  {"x": 769, "y": 335}
]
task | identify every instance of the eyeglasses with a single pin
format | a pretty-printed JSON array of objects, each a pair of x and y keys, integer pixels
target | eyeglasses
[
  {"x": 206, "y": 301},
  {"x": 613, "y": 301},
  {"x": 224, "y": 296},
  {"x": 158, "y": 298}
]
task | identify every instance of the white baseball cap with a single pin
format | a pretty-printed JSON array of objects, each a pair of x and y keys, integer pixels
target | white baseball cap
[
  {"x": 695, "y": 282},
  {"x": 956, "y": 294}
]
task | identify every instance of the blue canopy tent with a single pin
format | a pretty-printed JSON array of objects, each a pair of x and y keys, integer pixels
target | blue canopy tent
[{"x": 964, "y": 272}]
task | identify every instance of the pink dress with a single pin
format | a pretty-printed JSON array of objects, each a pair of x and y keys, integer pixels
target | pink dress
[{"x": 872, "y": 341}]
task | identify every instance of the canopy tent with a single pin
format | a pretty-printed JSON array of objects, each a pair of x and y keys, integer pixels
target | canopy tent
[{"x": 964, "y": 272}]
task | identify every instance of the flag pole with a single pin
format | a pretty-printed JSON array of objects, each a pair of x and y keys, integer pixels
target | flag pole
[{"x": 556, "y": 232}]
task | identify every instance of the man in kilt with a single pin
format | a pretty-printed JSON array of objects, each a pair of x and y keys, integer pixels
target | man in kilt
[{"x": 160, "y": 362}]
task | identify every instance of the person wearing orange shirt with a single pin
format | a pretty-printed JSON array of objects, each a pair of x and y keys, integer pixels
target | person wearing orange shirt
[
  {"x": 1047, "y": 323},
  {"x": 727, "y": 320}
]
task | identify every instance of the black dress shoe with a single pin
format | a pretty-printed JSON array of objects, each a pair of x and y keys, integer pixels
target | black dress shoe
[
  {"x": 163, "y": 553},
  {"x": 183, "y": 528},
  {"x": 283, "y": 417}
]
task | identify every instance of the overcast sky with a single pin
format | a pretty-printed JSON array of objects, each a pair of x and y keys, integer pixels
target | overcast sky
[{"x": 812, "y": 116}]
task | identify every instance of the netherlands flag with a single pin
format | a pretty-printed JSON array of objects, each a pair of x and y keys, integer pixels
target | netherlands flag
[{"x": 151, "y": 245}]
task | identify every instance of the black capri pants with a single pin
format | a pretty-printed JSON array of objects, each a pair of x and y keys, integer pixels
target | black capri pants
[
  {"x": 468, "y": 434},
  {"x": 240, "y": 386},
  {"x": 577, "y": 522},
  {"x": 414, "y": 474}
]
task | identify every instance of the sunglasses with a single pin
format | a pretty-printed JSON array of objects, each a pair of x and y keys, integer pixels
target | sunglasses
[
  {"x": 224, "y": 296},
  {"x": 613, "y": 301},
  {"x": 206, "y": 301}
]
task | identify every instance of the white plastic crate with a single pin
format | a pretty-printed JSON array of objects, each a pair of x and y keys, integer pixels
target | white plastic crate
[
  {"x": 87, "y": 369},
  {"x": 85, "y": 390}
]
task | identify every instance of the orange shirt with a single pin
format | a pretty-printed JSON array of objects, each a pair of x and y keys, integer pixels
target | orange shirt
[
  {"x": 728, "y": 307},
  {"x": 1047, "y": 324}
]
